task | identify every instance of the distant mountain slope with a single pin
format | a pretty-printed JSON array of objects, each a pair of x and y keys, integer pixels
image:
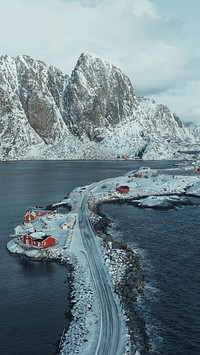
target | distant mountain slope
[
  {"x": 193, "y": 128},
  {"x": 94, "y": 114}
]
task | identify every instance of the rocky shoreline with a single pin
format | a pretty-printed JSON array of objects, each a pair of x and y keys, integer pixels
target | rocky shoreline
[{"x": 130, "y": 285}]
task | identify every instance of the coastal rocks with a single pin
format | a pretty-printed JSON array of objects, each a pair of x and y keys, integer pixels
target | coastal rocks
[
  {"x": 124, "y": 267},
  {"x": 194, "y": 190},
  {"x": 162, "y": 202},
  {"x": 128, "y": 280}
]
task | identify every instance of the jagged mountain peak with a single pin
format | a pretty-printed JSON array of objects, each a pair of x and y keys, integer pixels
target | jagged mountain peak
[
  {"x": 89, "y": 60},
  {"x": 92, "y": 114},
  {"x": 92, "y": 65},
  {"x": 28, "y": 60},
  {"x": 99, "y": 96},
  {"x": 150, "y": 105},
  {"x": 6, "y": 58},
  {"x": 167, "y": 124}
]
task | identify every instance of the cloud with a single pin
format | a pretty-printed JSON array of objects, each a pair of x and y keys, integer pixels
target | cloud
[
  {"x": 122, "y": 31},
  {"x": 148, "y": 47},
  {"x": 87, "y": 3}
]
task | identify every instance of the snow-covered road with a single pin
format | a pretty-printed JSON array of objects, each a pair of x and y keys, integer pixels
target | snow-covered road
[{"x": 111, "y": 330}]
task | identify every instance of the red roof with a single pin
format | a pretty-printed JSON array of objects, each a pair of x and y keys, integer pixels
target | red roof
[{"x": 123, "y": 189}]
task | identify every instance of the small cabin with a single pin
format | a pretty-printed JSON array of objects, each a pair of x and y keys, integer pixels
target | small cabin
[
  {"x": 64, "y": 226},
  {"x": 38, "y": 240},
  {"x": 30, "y": 217},
  {"x": 123, "y": 189}
]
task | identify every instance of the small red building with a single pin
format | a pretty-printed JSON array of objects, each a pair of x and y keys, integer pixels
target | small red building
[
  {"x": 48, "y": 242},
  {"x": 123, "y": 189},
  {"x": 43, "y": 213},
  {"x": 31, "y": 215},
  {"x": 138, "y": 175},
  {"x": 39, "y": 240}
]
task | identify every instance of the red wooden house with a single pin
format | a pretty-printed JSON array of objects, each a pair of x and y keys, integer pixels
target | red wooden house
[
  {"x": 30, "y": 216},
  {"x": 49, "y": 241},
  {"x": 123, "y": 189},
  {"x": 39, "y": 240},
  {"x": 26, "y": 239}
]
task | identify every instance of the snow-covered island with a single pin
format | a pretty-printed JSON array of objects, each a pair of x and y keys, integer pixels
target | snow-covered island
[{"x": 105, "y": 274}]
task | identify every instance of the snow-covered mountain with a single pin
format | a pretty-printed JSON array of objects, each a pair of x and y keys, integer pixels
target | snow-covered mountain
[
  {"x": 94, "y": 114},
  {"x": 194, "y": 128}
]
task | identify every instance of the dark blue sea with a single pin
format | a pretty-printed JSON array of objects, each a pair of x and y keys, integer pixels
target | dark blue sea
[
  {"x": 34, "y": 295},
  {"x": 168, "y": 246}
]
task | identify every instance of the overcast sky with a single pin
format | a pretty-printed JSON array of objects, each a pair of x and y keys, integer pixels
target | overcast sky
[{"x": 154, "y": 42}]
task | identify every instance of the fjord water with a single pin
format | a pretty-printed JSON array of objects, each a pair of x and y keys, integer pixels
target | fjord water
[
  {"x": 168, "y": 245},
  {"x": 33, "y": 295}
]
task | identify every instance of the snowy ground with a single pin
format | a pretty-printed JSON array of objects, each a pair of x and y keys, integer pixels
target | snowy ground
[{"x": 155, "y": 188}]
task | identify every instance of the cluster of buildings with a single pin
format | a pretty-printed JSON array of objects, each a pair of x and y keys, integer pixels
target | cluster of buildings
[
  {"x": 36, "y": 239},
  {"x": 136, "y": 174}
]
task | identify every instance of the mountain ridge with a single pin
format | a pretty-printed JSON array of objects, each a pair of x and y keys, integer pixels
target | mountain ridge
[{"x": 94, "y": 114}]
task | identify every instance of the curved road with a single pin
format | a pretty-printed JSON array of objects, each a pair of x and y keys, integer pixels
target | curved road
[{"x": 112, "y": 332}]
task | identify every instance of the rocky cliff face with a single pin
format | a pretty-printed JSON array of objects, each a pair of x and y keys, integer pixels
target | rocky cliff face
[
  {"x": 98, "y": 97},
  {"x": 95, "y": 113},
  {"x": 16, "y": 133},
  {"x": 40, "y": 91}
]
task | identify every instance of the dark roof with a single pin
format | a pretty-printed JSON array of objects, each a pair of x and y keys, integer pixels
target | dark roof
[{"x": 41, "y": 239}]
